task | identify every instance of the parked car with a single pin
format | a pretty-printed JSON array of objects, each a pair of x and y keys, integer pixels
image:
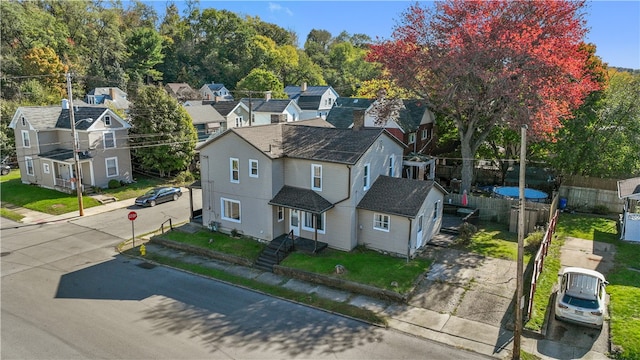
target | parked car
[
  {"x": 581, "y": 297},
  {"x": 159, "y": 195}
]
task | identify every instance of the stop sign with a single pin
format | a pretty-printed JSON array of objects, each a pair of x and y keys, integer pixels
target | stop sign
[{"x": 132, "y": 215}]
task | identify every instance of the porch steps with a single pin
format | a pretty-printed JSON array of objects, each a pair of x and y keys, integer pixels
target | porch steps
[{"x": 274, "y": 253}]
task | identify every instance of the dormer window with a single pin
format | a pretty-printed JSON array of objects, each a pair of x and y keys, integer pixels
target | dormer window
[{"x": 107, "y": 120}]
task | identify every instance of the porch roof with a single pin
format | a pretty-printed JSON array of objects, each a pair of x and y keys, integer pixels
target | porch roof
[
  {"x": 301, "y": 199},
  {"x": 63, "y": 155}
]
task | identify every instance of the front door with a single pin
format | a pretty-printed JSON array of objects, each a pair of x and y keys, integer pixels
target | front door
[{"x": 294, "y": 222}]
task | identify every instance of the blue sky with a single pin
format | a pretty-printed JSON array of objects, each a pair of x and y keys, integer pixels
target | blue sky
[{"x": 614, "y": 26}]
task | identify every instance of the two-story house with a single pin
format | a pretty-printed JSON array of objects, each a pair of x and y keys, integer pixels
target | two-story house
[
  {"x": 414, "y": 125},
  {"x": 215, "y": 92},
  {"x": 340, "y": 187},
  {"x": 269, "y": 111},
  {"x": 109, "y": 96},
  {"x": 236, "y": 113},
  {"x": 314, "y": 101},
  {"x": 44, "y": 146}
]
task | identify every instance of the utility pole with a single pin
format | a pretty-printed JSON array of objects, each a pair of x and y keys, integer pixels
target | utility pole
[
  {"x": 517, "y": 333},
  {"x": 72, "y": 122}
]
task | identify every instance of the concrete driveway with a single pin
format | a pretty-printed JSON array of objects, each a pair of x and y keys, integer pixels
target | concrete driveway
[{"x": 580, "y": 340}]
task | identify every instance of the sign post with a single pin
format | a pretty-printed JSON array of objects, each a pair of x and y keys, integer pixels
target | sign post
[{"x": 132, "y": 216}]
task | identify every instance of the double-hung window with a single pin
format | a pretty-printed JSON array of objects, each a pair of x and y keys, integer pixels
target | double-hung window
[
  {"x": 107, "y": 120},
  {"x": 28, "y": 162},
  {"x": 253, "y": 168},
  {"x": 381, "y": 222},
  {"x": 367, "y": 176},
  {"x": 435, "y": 210},
  {"x": 316, "y": 177},
  {"x": 230, "y": 210},
  {"x": 412, "y": 138},
  {"x": 112, "y": 166},
  {"x": 26, "y": 142},
  {"x": 234, "y": 170},
  {"x": 109, "y": 140},
  {"x": 280, "y": 213},
  {"x": 420, "y": 221},
  {"x": 392, "y": 165}
]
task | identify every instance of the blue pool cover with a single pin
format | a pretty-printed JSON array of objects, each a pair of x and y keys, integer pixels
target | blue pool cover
[{"x": 514, "y": 192}]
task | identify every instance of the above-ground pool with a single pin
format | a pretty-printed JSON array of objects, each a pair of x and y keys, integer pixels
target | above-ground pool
[{"x": 514, "y": 192}]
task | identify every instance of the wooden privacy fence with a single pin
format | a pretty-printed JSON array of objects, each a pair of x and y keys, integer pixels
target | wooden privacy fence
[
  {"x": 498, "y": 209},
  {"x": 539, "y": 259}
]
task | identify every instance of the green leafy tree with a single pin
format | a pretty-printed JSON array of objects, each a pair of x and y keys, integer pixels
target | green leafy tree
[
  {"x": 260, "y": 80},
  {"x": 144, "y": 50},
  {"x": 162, "y": 135}
]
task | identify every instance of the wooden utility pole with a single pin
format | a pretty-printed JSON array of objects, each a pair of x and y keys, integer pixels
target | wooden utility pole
[
  {"x": 72, "y": 123},
  {"x": 517, "y": 332}
]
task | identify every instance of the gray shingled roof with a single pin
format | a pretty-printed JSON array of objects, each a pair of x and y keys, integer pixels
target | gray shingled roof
[
  {"x": 341, "y": 114},
  {"x": 396, "y": 196},
  {"x": 202, "y": 114},
  {"x": 301, "y": 199},
  {"x": 215, "y": 87},
  {"x": 309, "y": 102},
  {"x": 267, "y": 106},
  {"x": 79, "y": 113},
  {"x": 41, "y": 117},
  {"x": 294, "y": 91},
  {"x": 225, "y": 107}
]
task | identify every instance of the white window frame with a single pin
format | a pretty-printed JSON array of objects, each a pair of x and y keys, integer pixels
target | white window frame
[
  {"x": 366, "y": 172},
  {"x": 238, "y": 121},
  {"x": 26, "y": 140},
  {"x": 24, "y": 121},
  {"x": 307, "y": 217},
  {"x": 315, "y": 167},
  {"x": 223, "y": 210},
  {"x": 424, "y": 134},
  {"x": 412, "y": 138},
  {"x": 381, "y": 222},
  {"x": 106, "y": 166},
  {"x": 280, "y": 213},
  {"x": 107, "y": 120},
  {"x": 420, "y": 223},
  {"x": 28, "y": 165},
  {"x": 104, "y": 139},
  {"x": 236, "y": 171},
  {"x": 392, "y": 165},
  {"x": 46, "y": 169},
  {"x": 435, "y": 210},
  {"x": 253, "y": 162}
]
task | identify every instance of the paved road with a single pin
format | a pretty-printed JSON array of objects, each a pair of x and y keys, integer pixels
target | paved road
[{"x": 67, "y": 294}]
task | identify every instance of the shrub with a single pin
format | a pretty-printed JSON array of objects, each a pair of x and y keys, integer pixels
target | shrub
[
  {"x": 114, "y": 184},
  {"x": 466, "y": 231},
  {"x": 184, "y": 177},
  {"x": 533, "y": 241},
  {"x": 235, "y": 232}
]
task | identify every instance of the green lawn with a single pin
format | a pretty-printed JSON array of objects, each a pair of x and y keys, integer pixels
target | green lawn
[
  {"x": 363, "y": 266},
  {"x": 624, "y": 280},
  {"x": 53, "y": 202},
  {"x": 495, "y": 240},
  {"x": 246, "y": 248}
]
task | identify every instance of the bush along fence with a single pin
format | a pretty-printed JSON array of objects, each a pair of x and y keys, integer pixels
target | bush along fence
[{"x": 539, "y": 259}]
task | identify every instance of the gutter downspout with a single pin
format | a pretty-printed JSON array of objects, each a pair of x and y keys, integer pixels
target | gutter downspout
[
  {"x": 409, "y": 241},
  {"x": 348, "y": 188}
]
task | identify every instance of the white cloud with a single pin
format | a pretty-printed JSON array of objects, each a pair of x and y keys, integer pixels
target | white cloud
[{"x": 276, "y": 8}]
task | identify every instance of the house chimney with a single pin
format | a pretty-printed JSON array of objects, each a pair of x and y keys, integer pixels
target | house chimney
[
  {"x": 112, "y": 93},
  {"x": 65, "y": 104},
  {"x": 267, "y": 95},
  {"x": 358, "y": 119},
  {"x": 303, "y": 88}
]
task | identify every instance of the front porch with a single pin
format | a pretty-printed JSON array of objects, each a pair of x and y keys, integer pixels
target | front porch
[
  {"x": 301, "y": 244},
  {"x": 280, "y": 247}
]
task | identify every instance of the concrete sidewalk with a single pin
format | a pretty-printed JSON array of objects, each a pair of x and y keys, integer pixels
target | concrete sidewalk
[{"x": 462, "y": 301}]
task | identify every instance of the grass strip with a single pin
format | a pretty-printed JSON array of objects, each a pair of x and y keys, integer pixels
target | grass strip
[{"x": 278, "y": 291}]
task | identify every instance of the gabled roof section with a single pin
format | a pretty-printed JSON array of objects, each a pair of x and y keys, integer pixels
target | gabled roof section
[
  {"x": 411, "y": 114},
  {"x": 268, "y": 106},
  {"x": 295, "y": 91},
  {"x": 341, "y": 114},
  {"x": 40, "y": 117},
  {"x": 80, "y": 113},
  {"x": 225, "y": 107},
  {"x": 629, "y": 188},
  {"x": 308, "y": 142},
  {"x": 106, "y": 91},
  {"x": 202, "y": 114},
  {"x": 309, "y": 102},
  {"x": 215, "y": 87},
  {"x": 301, "y": 199},
  {"x": 397, "y": 196},
  {"x": 176, "y": 87}
]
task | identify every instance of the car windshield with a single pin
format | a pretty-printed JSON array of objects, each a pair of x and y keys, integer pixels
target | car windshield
[
  {"x": 153, "y": 191},
  {"x": 578, "y": 302}
]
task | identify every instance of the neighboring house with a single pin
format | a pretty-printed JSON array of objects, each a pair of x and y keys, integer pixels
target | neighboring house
[
  {"x": 414, "y": 126},
  {"x": 629, "y": 191},
  {"x": 215, "y": 92},
  {"x": 314, "y": 101},
  {"x": 270, "y": 111},
  {"x": 109, "y": 96},
  {"x": 44, "y": 146},
  {"x": 206, "y": 120},
  {"x": 182, "y": 92},
  {"x": 236, "y": 113},
  {"x": 320, "y": 183}
]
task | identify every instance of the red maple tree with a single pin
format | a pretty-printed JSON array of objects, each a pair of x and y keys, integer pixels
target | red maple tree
[{"x": 492, "y": 63}]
